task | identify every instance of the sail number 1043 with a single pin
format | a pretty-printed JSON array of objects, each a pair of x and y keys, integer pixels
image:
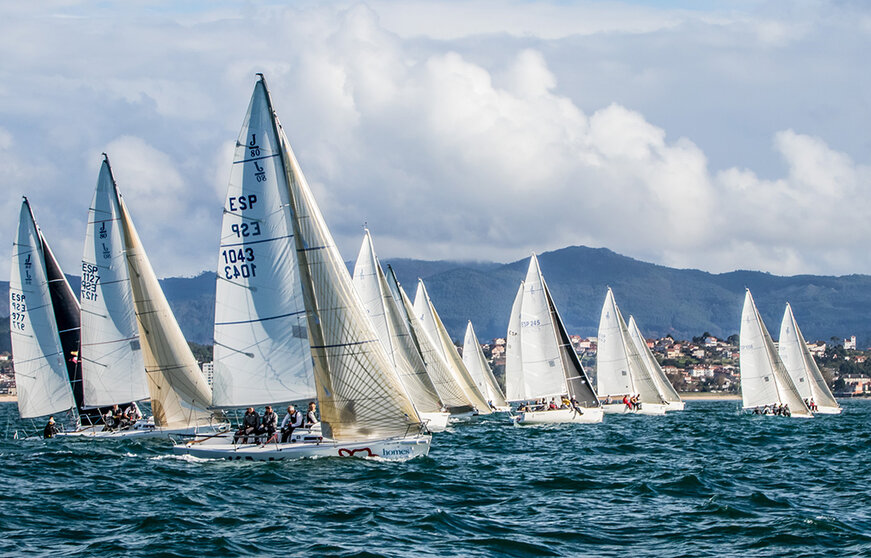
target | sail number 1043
[{"x": 239, "y": 263}]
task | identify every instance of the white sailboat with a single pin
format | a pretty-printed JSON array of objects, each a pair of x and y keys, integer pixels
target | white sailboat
[
  {"x": 540, "y": 362},
  {"x": 132, "y": 346},
  {"x": 802, "y": 367},
  {"x": 40, "y": 361},
  {"x": 476, "y": 363},
  {"x": 454, "y": 397},
  {"x": 383, "y": 311},
  {"x": 365, "y": 410},
  {"x": 663, "y": 384},
  {"x": 620, "y": 369},
  {"x": 765, "y": 381},
  {"x": 438, "y": 336}
]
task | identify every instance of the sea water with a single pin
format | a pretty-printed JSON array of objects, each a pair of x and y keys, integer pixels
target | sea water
[{"x": 707, "y": 481}]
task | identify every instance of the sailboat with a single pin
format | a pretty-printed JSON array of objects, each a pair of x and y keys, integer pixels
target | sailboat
[
  {"x": 476, "y": 363},
  {"x": 132, "y": 346},
  {"x": 440, "y": 339},
  {"x": 620, "y": 368},
  {"x": 765, "y": 381},
  {"x": 45, "y": 371},
  {"x": 274, "y": 230},
  {"x": 455, "y": 398},
  {"x": 540, "y": 362},
  {"x": 802, "y": 367},
  {"x": 371, "y": 286},
  {"x": 663, "y": 384}
]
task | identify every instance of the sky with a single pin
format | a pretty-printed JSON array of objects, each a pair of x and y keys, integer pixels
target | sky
[{"x": 709, "y": 135}]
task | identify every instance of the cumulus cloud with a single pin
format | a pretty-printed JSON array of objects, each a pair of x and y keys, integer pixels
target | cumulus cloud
[{"x": 482, "y": 131}]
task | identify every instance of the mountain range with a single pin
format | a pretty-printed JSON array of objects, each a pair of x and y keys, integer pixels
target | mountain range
[{"x": 680, "y": 302}]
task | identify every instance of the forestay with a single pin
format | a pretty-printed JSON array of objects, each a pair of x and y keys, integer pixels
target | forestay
[
  {"x": 800, "y": 364},
  {"x": 371, "y": 286},
  {"x": 112, "y": 368},
  {"x": 360, "y": 393},
  {"x": 262, "y": 350},
  {"x": 476, "y": 363},
  {"x": 41, "y": 374},
  {"x": 764, "y": 379},
  {"x": 439, "y": 337}
]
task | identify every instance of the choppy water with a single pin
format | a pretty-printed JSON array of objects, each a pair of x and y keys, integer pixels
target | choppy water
[{"x": 706, "y": 481}]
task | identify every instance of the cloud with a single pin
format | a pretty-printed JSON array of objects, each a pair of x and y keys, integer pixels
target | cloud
[{"x": 717, "y": 139}]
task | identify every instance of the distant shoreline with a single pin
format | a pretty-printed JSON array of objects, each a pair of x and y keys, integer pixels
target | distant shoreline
[
  {"x": 708, "y": 396},
  {"x": 8, "y": 398}
]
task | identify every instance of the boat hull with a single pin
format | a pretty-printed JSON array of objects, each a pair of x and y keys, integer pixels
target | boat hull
[
  {"x": 675, "y": 406},
  {"x": 646, "y": 409},
  {"x": 590, "y": 415},
  {"x": 435, "y": 422},
  {"x": 391, "y": 449},
  {"x": 827, "y": 411},
  {"x": 147, "y": 431}
]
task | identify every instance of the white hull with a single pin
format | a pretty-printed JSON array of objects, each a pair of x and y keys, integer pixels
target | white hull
[
  {"x": 503, "y": 409},
  {"x": 675, "y": 406},
  {"x": 646, "y": 409},
  {"x": 750, "y": 411},
  {"x": 222, "y": 447},
  {"x": 147, "y": 430},
  {"x": 827, "y": 411},
  {"x": 435, "y": 422},
  {"x": 590, "y": 415}
]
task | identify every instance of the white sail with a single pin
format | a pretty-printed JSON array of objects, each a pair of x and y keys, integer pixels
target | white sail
[
  {"x": 389, "y": 322},
  {"x": 764, "y": 379},
  {"x": 800, "y": 364},
  {"x": 180, "y": 395},
  {"x": 450, "y": 392},
  {"x": 439, "y": 337},
  {"x": 515, "y": 386},
  {"x": 663, "y": 384},
  {"x": 112, "y": 368},
  {"x": 543, "y": 373},
  {"x": 619, "y": 363},
  {"x": 360, "y": 393},
  {"x": 40, "y": 368},
  {"x": 613, "y": 377},
  {"x": 262, "y": 350},
  {"x": 476, "y": 363}
]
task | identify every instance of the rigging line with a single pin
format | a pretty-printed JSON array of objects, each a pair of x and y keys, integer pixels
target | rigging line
[{"x": 249, "y": 355}]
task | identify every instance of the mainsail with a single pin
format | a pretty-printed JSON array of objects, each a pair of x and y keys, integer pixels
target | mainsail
[
  {"x": 515, "y": 384},
  {"x": 439, "y": 337},
  {"x": 620, "y": 368},
  {"x": 663, "y": 384},
  {"x": 262, "y": 350},
  {"x": 112, "y": 368},
  {"x": 476, "y": 363},
  {"x": 180, "y": 395},
  {"x": 40, "y": 361},
  {"x": 359, "y": 391},
  {"x": 800, "y": 364},
  {"x": 764, "y": 378},
  {"x": 450, "y": 392},
  {"x": 371, "y": 286}
]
